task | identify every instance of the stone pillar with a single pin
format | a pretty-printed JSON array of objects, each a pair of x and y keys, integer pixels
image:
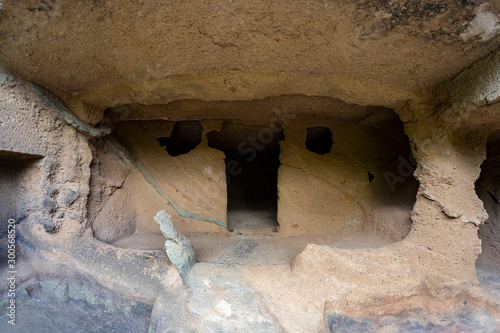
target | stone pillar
[{"x": 447, "y": 211}]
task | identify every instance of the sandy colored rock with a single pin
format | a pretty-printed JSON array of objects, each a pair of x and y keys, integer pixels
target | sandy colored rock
[
  {"x": 332, "y": 164},
  {"x": 147, "y": 52}
]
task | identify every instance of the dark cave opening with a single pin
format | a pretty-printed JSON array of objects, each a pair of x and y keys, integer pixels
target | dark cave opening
[
  {"x": 488, "y": 190},
  {"x": 19, "y": 177},
  {"x": 252, "y": 163},
  {"x": 185, "y": 136},
  {"x": 319, "y": 140}
]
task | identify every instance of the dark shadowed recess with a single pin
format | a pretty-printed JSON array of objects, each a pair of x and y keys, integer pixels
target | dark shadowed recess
[
  {"x": 488, "y": 190},
  {"x": 319, "y": 140},
  {"x": 185, "y": 137},
  {"x": 16, "y": 182},
  {"x": 252, "y": 162}
]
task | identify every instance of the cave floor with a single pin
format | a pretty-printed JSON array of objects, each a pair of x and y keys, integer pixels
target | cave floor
[
  {"x": 226, "y": 292},
  {"x": 251, "y": 247},
  {"x": 222, "y": 300},
  {"x": 261, "y": 220},
  {"x": 254, "y": 240},
  {"x": 222, "y": 297}
]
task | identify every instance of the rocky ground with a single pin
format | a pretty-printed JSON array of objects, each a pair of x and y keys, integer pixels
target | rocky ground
[{"x": 222, "y": 298}]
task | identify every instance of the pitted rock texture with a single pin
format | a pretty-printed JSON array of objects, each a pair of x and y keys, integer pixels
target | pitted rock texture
[
  {"x": 84, "y": 203},
  {"x": 178, "y": 247},
  {"x": 100, "y": 54}
]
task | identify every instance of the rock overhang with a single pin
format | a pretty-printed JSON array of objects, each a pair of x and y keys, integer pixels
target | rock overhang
[
  {"x": 358, "y": 73},
  {"x": 101, "y": 54}
]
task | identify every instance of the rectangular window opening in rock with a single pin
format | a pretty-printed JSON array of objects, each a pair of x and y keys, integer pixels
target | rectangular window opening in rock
[
  {"x": 20, "y": 179},
  {"x": 252, "y": 163}
]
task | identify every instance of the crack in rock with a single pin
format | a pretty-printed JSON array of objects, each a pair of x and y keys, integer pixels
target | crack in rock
[{"x": 445, "y": 210}]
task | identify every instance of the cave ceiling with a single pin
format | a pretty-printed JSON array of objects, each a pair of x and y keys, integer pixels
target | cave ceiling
[{"x": 105, "y": 54}]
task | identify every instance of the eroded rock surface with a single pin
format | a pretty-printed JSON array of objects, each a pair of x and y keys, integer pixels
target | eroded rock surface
[
  {"x": 178, "y": 247},
  {"x": 102, "y": 54},
  {"x": 371, "y": 122}
]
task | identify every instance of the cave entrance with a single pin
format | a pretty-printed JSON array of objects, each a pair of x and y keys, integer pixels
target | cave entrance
[
  {"x": 252, "y": 163},
  {"x": 488, "y": 190},
  {"x": 20, "y": 179}
]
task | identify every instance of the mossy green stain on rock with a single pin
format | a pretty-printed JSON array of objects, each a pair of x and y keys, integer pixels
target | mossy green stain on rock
[
  {"x": 178, "y": 247},
  {"x": 150, "y": 179},
  {"x": 66, "y": 113}
]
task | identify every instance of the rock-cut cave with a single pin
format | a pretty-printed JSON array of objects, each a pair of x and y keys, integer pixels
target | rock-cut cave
[{"x": 265, "y": 166}]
